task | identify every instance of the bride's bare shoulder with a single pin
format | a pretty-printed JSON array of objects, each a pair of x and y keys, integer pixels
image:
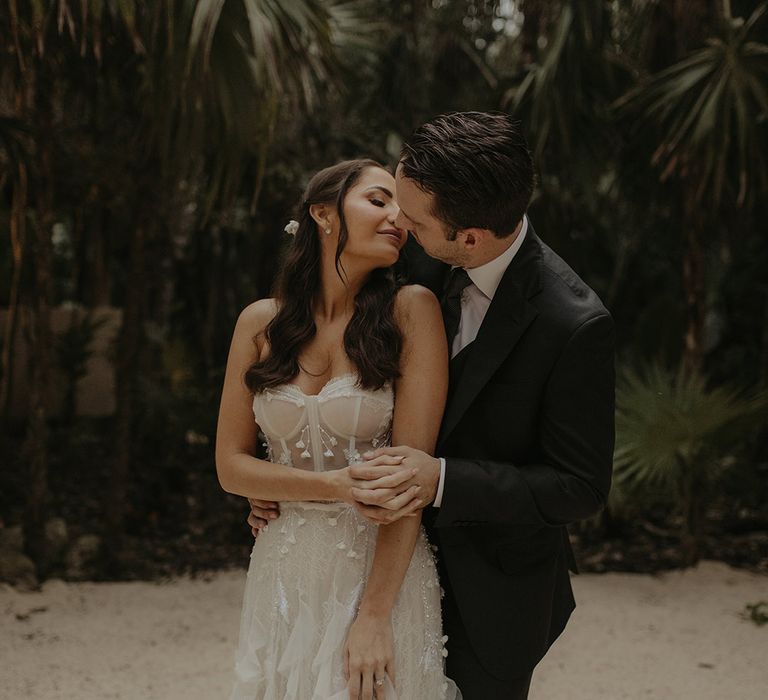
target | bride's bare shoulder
[
  {"x": 259, "y": 312},
  {"x": 255, "y": 317},
  {"x": 416, "y": 303}
]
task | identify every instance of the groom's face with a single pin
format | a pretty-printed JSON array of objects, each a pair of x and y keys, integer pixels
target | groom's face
[{"x": 417, "y": 218}]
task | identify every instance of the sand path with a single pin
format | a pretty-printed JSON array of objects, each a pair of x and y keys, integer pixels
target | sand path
[{"x": 678, "y": 636}]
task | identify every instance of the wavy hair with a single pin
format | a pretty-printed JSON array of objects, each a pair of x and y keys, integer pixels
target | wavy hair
[{"x": 372, "y": 339}]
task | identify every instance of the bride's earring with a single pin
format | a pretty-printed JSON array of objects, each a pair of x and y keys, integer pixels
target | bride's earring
[{"x": 327, "y": 230}]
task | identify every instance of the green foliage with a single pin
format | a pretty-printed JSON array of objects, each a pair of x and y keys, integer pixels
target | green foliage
[
  {"x": 196, "y": 125},
  {"x": 565, "y": 98},
  {"x": 675, "y": 441},
  {"x": 672, "y": 429},
  {"x": 708, "y": 113}
]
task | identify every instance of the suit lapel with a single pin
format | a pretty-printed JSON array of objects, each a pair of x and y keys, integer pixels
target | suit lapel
[{"x": 508, "y": 317}]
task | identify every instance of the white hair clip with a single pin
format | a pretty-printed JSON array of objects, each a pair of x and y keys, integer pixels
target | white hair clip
[{"x": 291, "y": 227}]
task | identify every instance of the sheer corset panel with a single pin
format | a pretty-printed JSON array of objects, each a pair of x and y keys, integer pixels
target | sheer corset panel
[{"x": 323, "y": 431}]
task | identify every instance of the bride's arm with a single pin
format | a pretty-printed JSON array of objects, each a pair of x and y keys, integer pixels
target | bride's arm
[
  {"x": 419, "y": 402},
  {"x": 238, "y": 470}
]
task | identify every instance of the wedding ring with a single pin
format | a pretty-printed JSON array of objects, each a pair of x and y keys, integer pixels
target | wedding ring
[{"x": 378, "y": 681}]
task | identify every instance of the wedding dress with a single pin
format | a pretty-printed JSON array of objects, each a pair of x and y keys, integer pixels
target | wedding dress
[{"x": 308, "y": 569}]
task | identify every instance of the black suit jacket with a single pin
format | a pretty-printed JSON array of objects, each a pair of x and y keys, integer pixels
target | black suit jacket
[{"x": 528, "y": 437}]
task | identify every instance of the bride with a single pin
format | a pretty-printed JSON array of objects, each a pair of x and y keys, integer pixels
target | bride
[{"x": 342, "y": 361}]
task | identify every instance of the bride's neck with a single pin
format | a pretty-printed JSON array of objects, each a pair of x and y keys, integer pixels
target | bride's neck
[{"x": 337, "y": 293}]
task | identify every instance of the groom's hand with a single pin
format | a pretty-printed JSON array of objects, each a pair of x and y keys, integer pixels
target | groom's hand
[
  {"x": 262, "y": 513},
  {"x": 418, "y": 475}
]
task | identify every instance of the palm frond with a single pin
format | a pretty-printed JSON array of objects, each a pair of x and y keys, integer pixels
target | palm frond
[
  {"x": 709, "y": 111},
  {"x": 672, "y": 427},
  {"x": 565, "y": 98},
  {"x": 248, "y": 62}
]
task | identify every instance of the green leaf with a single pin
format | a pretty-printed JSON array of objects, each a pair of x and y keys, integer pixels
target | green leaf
[{"x": 671, "y": 430}]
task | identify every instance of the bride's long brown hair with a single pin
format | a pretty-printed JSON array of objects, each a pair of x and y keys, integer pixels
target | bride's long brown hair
[{"x": 372, "y": 339}]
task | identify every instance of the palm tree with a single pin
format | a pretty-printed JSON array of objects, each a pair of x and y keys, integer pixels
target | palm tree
[
  {"x": 708, "y": 114},
  {"x": 190, "y": 94},
  {"x": 565, "y": 97},
  {"x": 564, "y": 100}
]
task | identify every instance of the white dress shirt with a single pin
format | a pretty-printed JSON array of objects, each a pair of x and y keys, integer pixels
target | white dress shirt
[{"x": 475, "y": 301}]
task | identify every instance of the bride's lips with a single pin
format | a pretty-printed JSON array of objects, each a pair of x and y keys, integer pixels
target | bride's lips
[{"x": 393, "y": 232}]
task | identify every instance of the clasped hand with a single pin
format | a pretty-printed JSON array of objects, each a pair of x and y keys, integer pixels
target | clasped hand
[{"x": 394, "y": 482}]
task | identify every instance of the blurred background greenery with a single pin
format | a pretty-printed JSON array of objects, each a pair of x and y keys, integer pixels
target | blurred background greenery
[{"x": 151, "y": 153}]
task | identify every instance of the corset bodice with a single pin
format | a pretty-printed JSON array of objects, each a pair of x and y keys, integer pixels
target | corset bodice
[{"x": 327, "y": 430}]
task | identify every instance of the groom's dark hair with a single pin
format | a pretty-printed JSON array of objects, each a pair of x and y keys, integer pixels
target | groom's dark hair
[{"x": 478, "y": 167}]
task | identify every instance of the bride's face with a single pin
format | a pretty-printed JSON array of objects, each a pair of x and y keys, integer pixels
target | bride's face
[{"x": 370, "y": 211}]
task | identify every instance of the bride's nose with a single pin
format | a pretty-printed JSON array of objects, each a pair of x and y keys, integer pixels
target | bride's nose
[{"x": 399, "y": 220}]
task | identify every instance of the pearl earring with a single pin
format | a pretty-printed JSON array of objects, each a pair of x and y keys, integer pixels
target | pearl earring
[{"x": 328, "y": 231}]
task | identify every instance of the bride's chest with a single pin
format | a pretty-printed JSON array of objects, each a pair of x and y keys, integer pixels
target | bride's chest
[{"x": 341, "y": 408}]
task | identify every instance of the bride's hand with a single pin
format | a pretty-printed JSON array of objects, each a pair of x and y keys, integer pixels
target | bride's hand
[
  {"x": 388, "y": 471},
  {"x": 368, "y": 656},
  {"x": 341, "y": 484}
]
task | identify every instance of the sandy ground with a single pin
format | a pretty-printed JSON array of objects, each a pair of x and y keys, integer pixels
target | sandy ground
[{"x": 673, "y": 637}]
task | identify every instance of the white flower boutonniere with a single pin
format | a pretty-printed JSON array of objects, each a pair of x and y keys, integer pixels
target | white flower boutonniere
[{"x": 291, "y": 227}]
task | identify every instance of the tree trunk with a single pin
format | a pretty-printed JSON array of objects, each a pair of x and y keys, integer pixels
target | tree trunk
[
  {"x": 41, "y": 366},
  {"x": 213, "y": 302},
  {"x": 764, "y": 343},
  {"x": 692, "y": 519},
  {"x": 694, "y": 290},
  {"x": 97, "y": 237},
  {"x": 624, "y": 251},
  {"x": 126, "y": 374},
  {"x": 18, "y": 235}
]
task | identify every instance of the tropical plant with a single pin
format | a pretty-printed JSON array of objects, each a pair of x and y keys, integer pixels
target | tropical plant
[
  {"x": 565, "y": 97},
  {"x": 173, "y": 104},
  {"x": 674, "y": 442},
  {"x": 564, "y": 102},
  {"x": 165, "y": 143},
  {"x": 707, "y": 115}
]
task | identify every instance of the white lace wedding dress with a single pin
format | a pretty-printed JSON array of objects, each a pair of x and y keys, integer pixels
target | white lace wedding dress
[{"x": 308, "y": 569}]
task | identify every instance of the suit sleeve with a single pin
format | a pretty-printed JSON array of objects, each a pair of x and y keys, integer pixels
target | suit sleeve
[{"x": 576, "y": 434}]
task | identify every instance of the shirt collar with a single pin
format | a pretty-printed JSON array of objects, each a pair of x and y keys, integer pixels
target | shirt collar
[{"x": 488, "y": 277}]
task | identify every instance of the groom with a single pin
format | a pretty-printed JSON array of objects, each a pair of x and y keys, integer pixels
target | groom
[{"x": 526, "y": 442}]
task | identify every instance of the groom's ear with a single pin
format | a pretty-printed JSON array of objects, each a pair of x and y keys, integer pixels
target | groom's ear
[{"x": 473, "y": 237}]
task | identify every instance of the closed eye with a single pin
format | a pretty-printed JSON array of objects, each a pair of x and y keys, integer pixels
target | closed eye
[{"x": 378, "y": 202}]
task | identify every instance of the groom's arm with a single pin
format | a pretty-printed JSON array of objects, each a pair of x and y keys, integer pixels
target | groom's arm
[
  {"x": 572, "y": 479},
  {"x": 576, "y": 435}
]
